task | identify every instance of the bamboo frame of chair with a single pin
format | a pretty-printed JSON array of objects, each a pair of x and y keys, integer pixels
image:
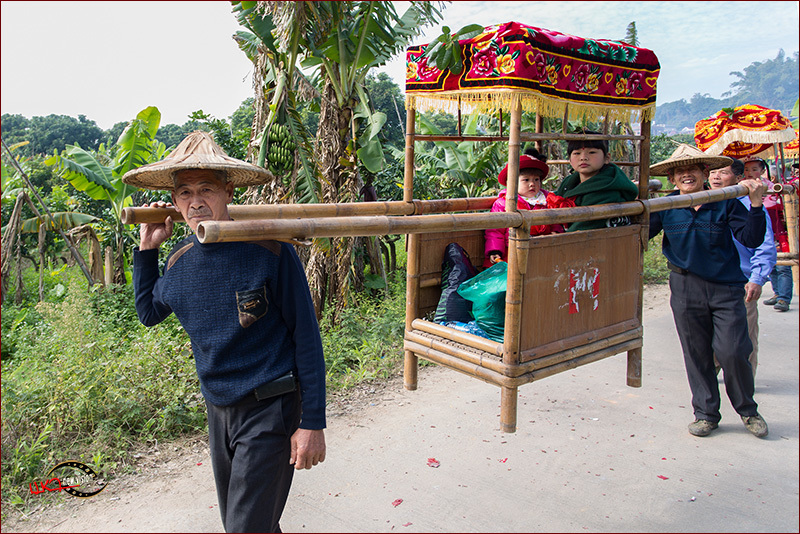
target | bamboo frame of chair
[{"x": 506, "y": 364}]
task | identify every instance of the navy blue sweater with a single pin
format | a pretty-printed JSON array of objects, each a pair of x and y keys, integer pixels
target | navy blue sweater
[
  {"x": 701, "y": 241},
  {"x": 248, "y": 312}
]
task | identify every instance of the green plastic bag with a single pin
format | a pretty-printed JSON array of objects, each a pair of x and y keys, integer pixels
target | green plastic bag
[{"x": 487, "y": 292}]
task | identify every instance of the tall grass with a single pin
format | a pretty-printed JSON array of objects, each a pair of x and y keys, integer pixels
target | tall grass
[
  {"x": 82, "y": 379},
  {"x": 655, "y": 264},
  {"x": 86, "y": 381}
]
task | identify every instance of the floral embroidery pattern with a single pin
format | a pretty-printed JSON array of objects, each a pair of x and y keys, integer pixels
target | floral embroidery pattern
[
  {"x": 609, "y": 49},
  {"x": 492, "y": 60},
  {"x": 545, "y": 62},
  {"x": 587, "y": 78},
  {"x": 552, "y": 69},
  {"x": 417, "y": 68}
]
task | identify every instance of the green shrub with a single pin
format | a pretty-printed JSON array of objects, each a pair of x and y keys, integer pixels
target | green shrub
[
  {"x": 655, "y": 264},
  {"x": 366, "y": 342},
  {"x": 87, "y": 380}
]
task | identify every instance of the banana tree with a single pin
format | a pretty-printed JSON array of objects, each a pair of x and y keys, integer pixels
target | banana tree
[
  {"x": 99, "y": 175},
  {"x": 339, "y": 42},
  {"x": 465, "y": 169}
]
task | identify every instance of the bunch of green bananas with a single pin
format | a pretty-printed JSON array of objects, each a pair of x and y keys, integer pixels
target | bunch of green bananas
[{"x": 280, "y": 154}]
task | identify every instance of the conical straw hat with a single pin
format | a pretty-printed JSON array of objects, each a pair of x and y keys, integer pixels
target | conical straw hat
[
  {"x": 197, "y": 151},
  {"x": 687, "y": 155}
]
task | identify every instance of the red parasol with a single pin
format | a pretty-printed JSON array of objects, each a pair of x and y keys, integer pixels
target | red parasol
[
  {"x": 791, "y": 148},
  {"x": 742, "y": 131}
]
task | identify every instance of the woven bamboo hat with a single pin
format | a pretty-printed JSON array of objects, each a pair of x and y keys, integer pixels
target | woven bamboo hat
[
  {"x": 197, "y": 151},
  {"x": 687, "y": 155}
]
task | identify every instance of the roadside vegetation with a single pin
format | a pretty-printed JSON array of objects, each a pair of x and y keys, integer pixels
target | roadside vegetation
[{"x": 82, "y": 379}]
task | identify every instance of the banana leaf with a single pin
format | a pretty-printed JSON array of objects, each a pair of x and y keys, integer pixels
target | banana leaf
[{"x": 64, "y": 220}]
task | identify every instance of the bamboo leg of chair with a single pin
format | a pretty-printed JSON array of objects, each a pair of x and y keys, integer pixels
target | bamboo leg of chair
[
  {"x": 634, "y": 375},
  {"x": 410, "y": 361},
  {"x": 517, "y": 263},
  {"x": 635, "y": 368},
  {"x": 410, "y": 369},
  {"x": 508, "y": 409}
]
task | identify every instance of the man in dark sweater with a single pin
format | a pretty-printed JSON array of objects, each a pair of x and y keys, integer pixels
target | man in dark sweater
[
  {"x": 707, "y": 286},
  {"x": 248, "y": 313}
]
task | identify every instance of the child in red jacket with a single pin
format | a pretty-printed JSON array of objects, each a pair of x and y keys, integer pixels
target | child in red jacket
[{"x": 533, "y": 170}]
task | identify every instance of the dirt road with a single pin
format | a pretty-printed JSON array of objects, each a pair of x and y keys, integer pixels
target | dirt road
[{"x": 590, "y": 454}]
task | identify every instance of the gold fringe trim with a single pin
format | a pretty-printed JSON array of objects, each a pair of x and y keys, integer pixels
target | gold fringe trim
[
  {"x": 752, "y": 137},
  {"x": 480, "y": 101}
]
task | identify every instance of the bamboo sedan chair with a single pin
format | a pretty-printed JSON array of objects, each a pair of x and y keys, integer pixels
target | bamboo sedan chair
[
  {"x": 582, "y": 291},
  {"x": 571, "y": 299}
]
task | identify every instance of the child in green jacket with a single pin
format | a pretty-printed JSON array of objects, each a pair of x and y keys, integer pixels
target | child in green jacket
[{"x": 595, "y": 181}]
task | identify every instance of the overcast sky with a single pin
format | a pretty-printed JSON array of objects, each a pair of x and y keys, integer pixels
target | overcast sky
[{"x": 109, "y": 60}]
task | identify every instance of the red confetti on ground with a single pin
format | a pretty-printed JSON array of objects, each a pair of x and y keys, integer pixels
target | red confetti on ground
[
  {"x": 650, "y": 407},
  {"x": 662, "y": 477},
  {"x": 397, "y": 502},
  {"x": 504, "y": 460},
  {"x": 407, "y": 524},
  {"x": 199, "y": 463},
  {"x": 433, "y": 462}
]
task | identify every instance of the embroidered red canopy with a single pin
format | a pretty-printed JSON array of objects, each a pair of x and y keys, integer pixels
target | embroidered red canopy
[
  {"x": 742, "y": 131},
  {"x": 542, "y": 69}
]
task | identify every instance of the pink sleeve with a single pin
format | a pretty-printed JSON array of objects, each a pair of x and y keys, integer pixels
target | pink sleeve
[{"x": 497, "y": 238}]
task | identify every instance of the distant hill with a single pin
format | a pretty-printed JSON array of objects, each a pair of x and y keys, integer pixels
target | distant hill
[{"x": 774, "y": 83}]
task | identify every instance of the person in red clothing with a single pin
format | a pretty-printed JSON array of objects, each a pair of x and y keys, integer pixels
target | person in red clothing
[{"x": 533, "y": 170}]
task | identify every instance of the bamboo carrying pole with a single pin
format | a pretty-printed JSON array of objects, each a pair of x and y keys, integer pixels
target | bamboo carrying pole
[
  {"x": 295, "y": 211},
  {"x": 257, "y": 230}
]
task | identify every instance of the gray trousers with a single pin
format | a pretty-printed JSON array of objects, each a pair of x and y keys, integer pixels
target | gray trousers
[
  {"x": 250, "y": 448},
  {"x": 711, "y": 320}
]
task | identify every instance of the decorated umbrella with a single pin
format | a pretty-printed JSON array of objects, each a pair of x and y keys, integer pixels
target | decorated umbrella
[
  {"x": 543, "y": 70},
  {"x": 742, "y": 131},
  {"x": 791, "y": 148}
]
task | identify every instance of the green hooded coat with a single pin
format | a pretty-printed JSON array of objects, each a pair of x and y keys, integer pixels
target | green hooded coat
[{"x": 608, "y": 186}]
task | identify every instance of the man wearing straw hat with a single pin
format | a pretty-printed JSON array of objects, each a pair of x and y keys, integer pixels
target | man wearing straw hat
[
  {"x": 707, "y": 286},
  {"x": 254, "y": 333}
]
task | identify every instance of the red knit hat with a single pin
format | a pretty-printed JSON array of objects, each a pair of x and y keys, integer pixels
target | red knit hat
[{"x": 525, "y": 162}]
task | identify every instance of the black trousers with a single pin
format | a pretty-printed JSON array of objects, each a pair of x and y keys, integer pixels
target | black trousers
[
  {"x": 712, "y": 319},
  {"x": 250, "y": 449}
]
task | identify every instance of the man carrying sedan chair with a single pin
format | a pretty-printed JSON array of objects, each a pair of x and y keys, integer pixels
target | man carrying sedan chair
[
  {"x": 707, "y": 286},
  {"x": 248, "y": 312}
]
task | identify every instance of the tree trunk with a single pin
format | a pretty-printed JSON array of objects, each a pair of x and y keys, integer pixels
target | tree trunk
[
  {"x": 42, "y": 238},
  {"x": 337, "y": 163},
  {"x": 8, "y": 240},
  {"x": 109, "y": 267}
]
